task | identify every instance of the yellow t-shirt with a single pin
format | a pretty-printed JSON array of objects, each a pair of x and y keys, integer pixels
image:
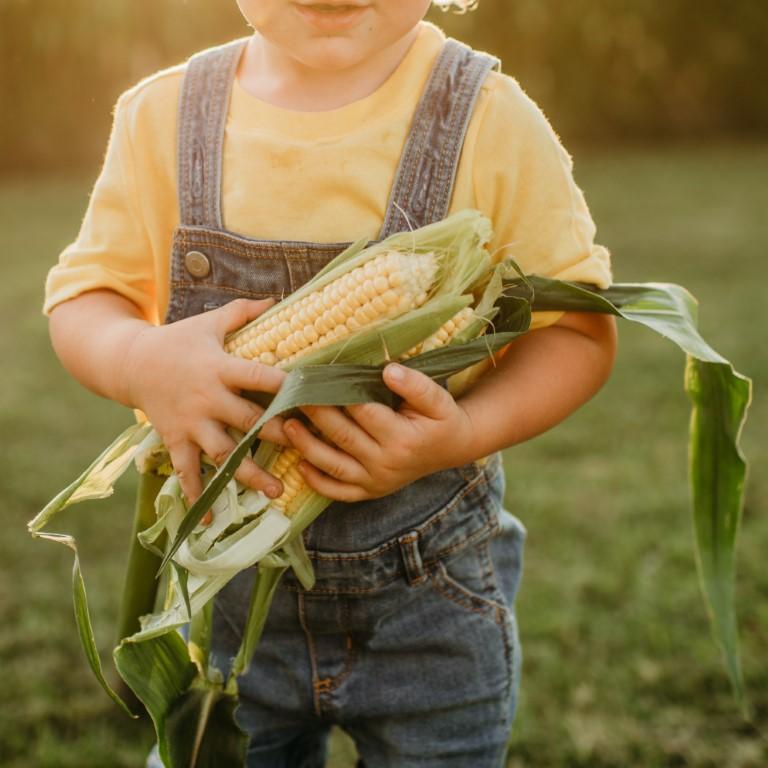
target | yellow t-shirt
[{"x": 325, "y": 177}]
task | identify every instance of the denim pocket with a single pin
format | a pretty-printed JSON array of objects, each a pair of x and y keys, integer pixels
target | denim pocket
[
  {"x": 480, "y": 618},
  {"x": 468, "y": 579}
]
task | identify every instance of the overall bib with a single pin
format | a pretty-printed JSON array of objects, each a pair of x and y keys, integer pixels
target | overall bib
[{"x": 408, "y": 640}]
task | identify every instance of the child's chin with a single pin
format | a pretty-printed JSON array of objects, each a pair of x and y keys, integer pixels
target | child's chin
[{"x": 333, "y": 54}]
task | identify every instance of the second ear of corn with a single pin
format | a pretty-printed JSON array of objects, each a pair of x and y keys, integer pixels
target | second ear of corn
[
  {"x": 284, "y": 468},
  {"x": 285, "y": 465},
  {"x": 445, "y": 334}
]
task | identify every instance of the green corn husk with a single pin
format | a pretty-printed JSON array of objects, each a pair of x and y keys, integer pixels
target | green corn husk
[
  {"x": 189, "y": 701},
  {"x": 458, "y": 241}
]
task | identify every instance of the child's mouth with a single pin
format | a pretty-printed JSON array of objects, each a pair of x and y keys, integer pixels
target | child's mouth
[{"x": 331, "y": 16}]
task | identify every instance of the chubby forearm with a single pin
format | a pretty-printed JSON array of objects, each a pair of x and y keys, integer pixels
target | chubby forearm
[
  {"x": 370, "y": 450},
  {"x": 92, "y": 335},
  {"x": 544, "y": 376},
  {"x": 178, "y": 374}
]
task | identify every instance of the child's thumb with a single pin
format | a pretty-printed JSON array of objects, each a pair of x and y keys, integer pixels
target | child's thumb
[
  {"x": 418, "y": 390},
  {"x": 237, "y": 313}
]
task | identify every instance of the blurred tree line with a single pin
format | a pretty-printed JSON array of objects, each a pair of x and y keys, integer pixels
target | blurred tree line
[{"x": 601, "y": 69}]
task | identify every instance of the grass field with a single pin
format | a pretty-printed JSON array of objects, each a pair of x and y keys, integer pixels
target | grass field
[{"x": 620, "y": 669}]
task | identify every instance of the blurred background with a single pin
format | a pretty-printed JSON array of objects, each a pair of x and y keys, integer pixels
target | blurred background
[
  {"x": 640, "y": 70},
  {"x": 665, "y": 109}
]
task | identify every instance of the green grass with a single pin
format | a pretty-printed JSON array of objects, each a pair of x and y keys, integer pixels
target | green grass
[{"x": 620, "y": 669}]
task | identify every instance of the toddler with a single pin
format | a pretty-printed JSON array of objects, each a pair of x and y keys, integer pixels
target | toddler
[{"x": 228, "y": 182}]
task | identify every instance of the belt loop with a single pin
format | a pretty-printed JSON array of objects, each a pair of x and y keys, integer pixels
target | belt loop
[{"x": 409, "y": 548}]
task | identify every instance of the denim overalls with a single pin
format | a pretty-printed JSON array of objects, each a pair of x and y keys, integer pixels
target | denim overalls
[{"x": 408, "y": 640}]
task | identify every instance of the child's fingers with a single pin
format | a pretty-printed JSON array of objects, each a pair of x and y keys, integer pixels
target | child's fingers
[
  {"x": 329, "y": 487},
  {"x": 242, "y": 414},
  {"x": 341, "y": 430},
  {"x": 249, "y": 473},
  {"x": 419, "y": 391},
  {"x": 185, "y": 458},
  {"x": 237, "y": 313},
  {"x": 250, "y": 376},
  {"x": 274, "y": 432},
  {"x": 378, "y": 420},
  {"x": 329, "y": 459},
  {"x": 218, "y": 445}
]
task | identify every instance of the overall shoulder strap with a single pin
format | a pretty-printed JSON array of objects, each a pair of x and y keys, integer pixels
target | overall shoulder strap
[
  {"x": 421, "y": 193},
  {"x": 203, "y": 105}
]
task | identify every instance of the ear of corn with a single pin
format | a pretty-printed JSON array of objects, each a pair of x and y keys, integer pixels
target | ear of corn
[
  {"x": 283, "y": 462},
  {"x": 367, "y": 289},
  {"x": 387, "y": 302},
  {"x": 383, "y": 288}
]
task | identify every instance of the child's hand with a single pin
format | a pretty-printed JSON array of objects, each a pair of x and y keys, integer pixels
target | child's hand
[
  {"x": 188, "y": 386},
  {"x": 377, "y": 450}
]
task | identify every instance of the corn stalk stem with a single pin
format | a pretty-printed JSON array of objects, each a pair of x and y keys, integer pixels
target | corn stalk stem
[{"x": 138, "y": 597}]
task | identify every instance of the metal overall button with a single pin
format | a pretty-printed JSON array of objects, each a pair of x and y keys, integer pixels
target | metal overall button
[{"x": 197, "y": 264}]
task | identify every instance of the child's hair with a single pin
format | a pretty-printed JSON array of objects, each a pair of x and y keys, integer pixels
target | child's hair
[{"x": 460, "y": 6}]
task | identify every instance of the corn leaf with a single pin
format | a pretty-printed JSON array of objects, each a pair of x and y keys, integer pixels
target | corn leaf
[
  {"x": 182, "y": 579},
  {"x": 720, "y": 398},
  {"x": 159, "y": 671},
  {"x": 240, "y": 549},
  {"x": 140, "y": 585},
  {"x": 97, "y": 482},
  {"x": 83, "y": 618},
  {"x": 298, "y": 558},
  {"x": 202, "y": 731},
  {"x": 262, "y": 594},
  {"x": 717, "y": 476},
  {"x": 200, "y": 632},
  {"x": 193, "y": 714},
  {"x": 175, "y": 615}
]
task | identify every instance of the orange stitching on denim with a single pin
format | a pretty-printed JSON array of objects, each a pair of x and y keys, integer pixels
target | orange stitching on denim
[
  {"x": 265, "y": 251},
  {"x": 312, "y": 652},
  {"x": 227, "y": 289},
  {"x": 199, "y": 234},
  {"x": 271, "y": 254},
  {"x": 325, "y": 685},
  {"x": 480, "y": 611},
  {"x": 334, "y": 682},
  {"x": 460, "y": 591}
]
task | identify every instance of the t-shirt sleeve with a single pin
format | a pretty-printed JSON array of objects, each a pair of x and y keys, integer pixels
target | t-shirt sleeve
[
  {"x": 523, "y": 179},
  {"x": 112, "y": 250}
]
